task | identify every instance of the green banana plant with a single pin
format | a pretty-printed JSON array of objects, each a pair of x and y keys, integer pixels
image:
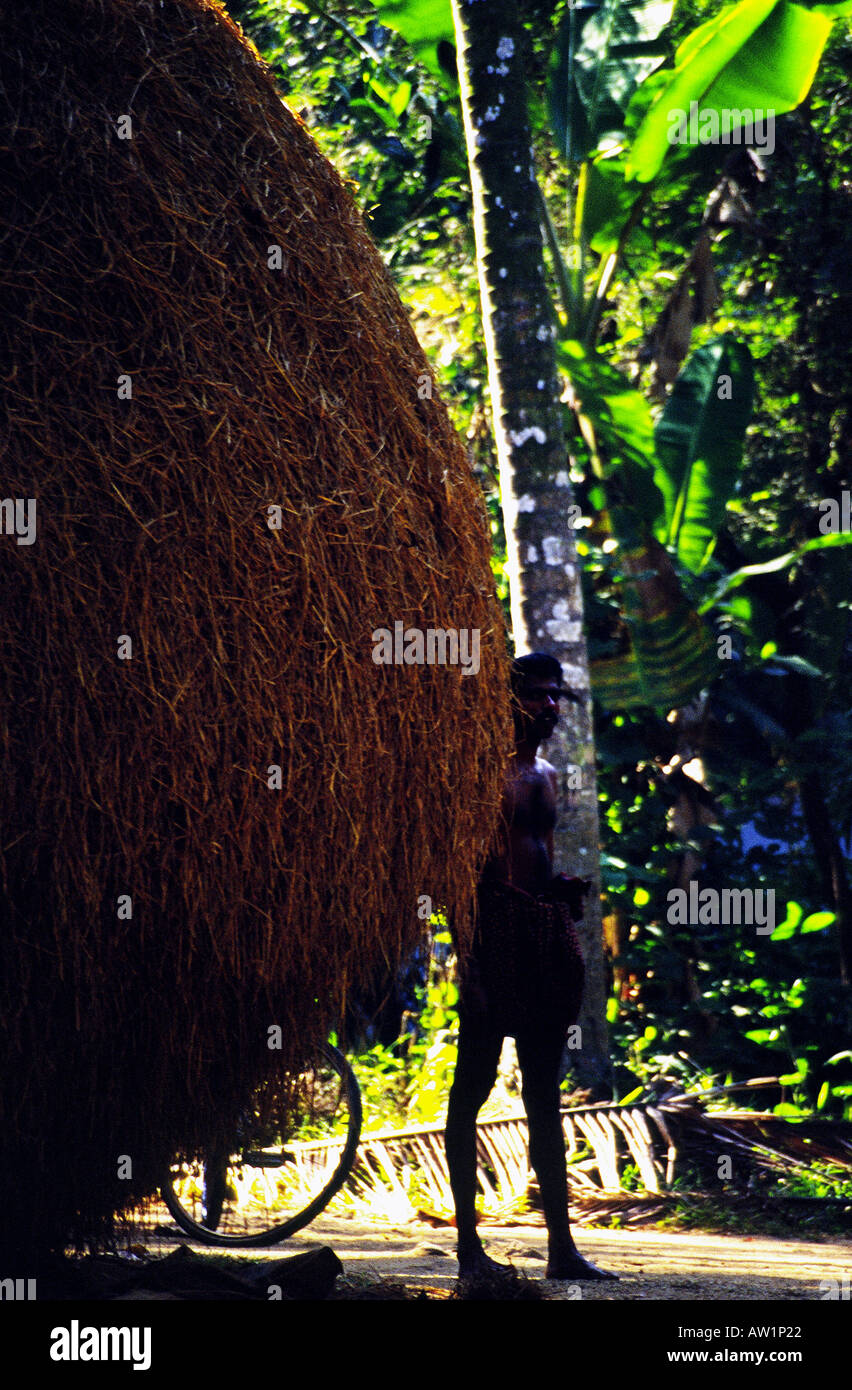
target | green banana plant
[
  {"x": 758, "y": 55},
  {"x": 660, "y": 490},
  {"x": 699, "y": 441},
  {"x": 664, "y": 484},
  {"x": 604, "y": 51},
  {"x": 611, "y": 112}
]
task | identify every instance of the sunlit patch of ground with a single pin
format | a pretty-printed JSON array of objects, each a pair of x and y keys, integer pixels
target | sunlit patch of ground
[{"x": 417, "y": 1261}]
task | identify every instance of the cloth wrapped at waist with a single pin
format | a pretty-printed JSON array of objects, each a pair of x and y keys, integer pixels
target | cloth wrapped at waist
[{"x": 526, "y": 969}]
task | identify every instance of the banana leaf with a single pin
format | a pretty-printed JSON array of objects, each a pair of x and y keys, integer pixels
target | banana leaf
[
  {"x": 699, "y": 445},
  {"x": 423, "y": 23},
  {"x": 758, "y": 55},
  {"x": 671, "y": 654},
  {"x": 603, "y": 52}
]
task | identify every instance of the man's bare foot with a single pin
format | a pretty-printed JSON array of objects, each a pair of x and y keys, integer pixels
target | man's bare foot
[
  {"x": 573, "y": 1266},
  {"x": 479, "y": 1265}
]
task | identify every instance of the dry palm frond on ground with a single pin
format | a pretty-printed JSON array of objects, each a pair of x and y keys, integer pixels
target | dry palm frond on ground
[{"x": 624, "y": 1160}]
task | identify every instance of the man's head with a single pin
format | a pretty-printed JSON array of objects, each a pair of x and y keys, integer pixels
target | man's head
[{"x": 537, "y": 689}]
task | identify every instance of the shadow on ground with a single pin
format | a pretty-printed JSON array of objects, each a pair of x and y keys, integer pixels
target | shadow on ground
[{"x": 417, "y": 1261}]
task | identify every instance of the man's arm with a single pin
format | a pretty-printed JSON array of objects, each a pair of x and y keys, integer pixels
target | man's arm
[{"x": 553, "y": 784}]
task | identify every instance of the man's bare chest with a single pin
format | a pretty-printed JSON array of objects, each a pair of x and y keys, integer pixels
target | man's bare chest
[{"x": 529, "y": 806}]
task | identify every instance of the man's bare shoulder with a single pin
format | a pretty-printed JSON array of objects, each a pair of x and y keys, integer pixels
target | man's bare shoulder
[
  {"x": 535, "y": 774},
  {"x": 547, "y": 771}
]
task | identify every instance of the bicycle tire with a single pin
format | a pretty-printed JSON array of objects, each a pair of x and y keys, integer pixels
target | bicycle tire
[{"x": 212, "y": 1234}]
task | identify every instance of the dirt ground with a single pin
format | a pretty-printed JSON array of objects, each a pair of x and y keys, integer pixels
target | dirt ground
[
  {"x": 651, "y": 1265},
  {"x": 403, "y": 1262}
]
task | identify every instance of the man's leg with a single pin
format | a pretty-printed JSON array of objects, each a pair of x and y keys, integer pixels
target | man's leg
[
  {"x": 539, "y": 1056},
  {"x": 476, "y": 1070}
]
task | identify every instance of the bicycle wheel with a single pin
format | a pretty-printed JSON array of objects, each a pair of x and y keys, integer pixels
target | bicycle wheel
[{"x": 271, "y": 1185}]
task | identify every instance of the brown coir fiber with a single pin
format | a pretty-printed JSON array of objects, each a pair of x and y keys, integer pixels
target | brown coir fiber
[{"x": 148, "y": 258}]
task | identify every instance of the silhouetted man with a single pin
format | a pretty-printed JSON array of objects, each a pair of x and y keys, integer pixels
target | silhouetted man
[{"x": 524, "y": 979}]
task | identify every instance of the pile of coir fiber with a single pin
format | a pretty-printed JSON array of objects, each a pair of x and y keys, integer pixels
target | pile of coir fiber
[{"x": 164, "y": 902}]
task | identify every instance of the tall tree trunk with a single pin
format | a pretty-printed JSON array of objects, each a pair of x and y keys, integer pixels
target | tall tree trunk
[{"x": 518, "y": 323}]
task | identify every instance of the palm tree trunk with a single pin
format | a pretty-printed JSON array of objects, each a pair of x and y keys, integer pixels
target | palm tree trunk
[{"x": 518, "y": 323}]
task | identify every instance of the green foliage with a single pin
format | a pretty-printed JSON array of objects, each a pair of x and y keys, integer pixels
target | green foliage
[
  {"x": 778, "y": 562},
  {"x": 432, "y": 1055},
  {"x": 821, "y": 1180},
  {"x": 408, "y": 1082},
  {"x": 423, "y": 24},
  {"x": 699, "y": 438},
  {"x": 383, "y": 1077},
  {"x": 756, "y": 55},
  {"x": 619, "y": 431},
  {"x": 603, "y": 51},
  {"x": 605, "y": 201}
]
